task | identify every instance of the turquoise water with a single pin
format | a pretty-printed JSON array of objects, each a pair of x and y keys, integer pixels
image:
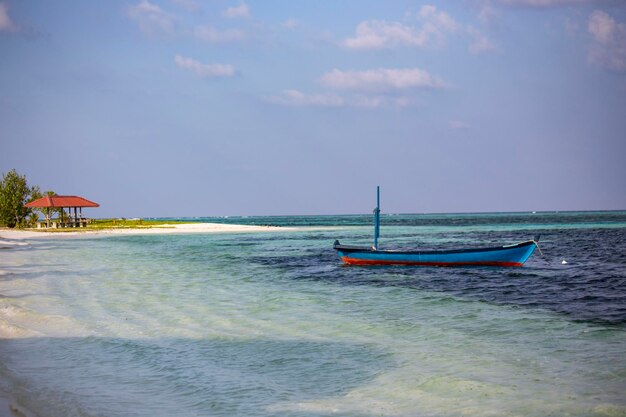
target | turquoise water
[{"x": 270, "y": 324}]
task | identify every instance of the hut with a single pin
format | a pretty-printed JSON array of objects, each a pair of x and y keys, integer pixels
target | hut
[{"x": 64, "y": 202}]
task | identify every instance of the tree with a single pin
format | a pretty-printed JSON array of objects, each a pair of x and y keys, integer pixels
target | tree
[
  {"x": 14, "y": 193},
  {"x": 33, "y": 217},
  {"x": 47, "y": 212}
]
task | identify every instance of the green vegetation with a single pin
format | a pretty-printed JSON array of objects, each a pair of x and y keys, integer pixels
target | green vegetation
[
  {"x": 48, "y": 212},
  {"x": 14, "y": 193},
  {"x": 109, "y": 224},
  {"x": 130, "y": 224}
]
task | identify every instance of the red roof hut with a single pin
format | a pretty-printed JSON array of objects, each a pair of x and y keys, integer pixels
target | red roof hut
[{"x": 62, "y": 202}]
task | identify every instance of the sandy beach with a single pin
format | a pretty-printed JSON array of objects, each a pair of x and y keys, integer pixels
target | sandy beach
[{"x": 15, "y": 234}]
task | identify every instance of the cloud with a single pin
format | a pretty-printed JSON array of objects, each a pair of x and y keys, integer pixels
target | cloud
[
  {"x": 602, "y": 26},
  {"x": 6, "y": 24},
  {"x": 543, "y": 3},
  {"x": 376, "y": 88},
  {"x": 480, "y": 43},
  {"x": 487, "y": 13},
  {"x": 211, "y": 35},
  {"x": 458, "y": 125},
  {"x": 380, "y": 34},
  {"x": 440, "y": 19},
  {"x": 291, "y": 24},
  {"x": 189, "y": 5},
  {"x": 382, "y": 79},
  {"x": 434, "y": 27},
  {"x": 204, "y": 70},
  {"x": 151, "y": 18},
  {"x": 609, "y": 47},
  {"x": 375, "y": 102},
  {"x": 297, "y": 98},
  {"x": 237, "y": 12}
]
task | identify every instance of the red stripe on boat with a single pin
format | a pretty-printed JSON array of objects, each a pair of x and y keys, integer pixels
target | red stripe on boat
[{"x": 355, "y": 261}]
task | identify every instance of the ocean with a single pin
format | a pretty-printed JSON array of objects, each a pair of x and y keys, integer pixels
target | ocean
[{"x": 271, "y": 324}]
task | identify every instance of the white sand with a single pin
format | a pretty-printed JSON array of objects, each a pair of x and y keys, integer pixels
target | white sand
[{"x": 11, "y": 236}]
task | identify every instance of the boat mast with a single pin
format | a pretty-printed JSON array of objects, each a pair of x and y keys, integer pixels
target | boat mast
[{"x": 377, "y": 218}]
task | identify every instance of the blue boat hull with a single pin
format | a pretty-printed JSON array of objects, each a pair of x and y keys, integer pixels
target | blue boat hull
[{"x": 509, "y": 255}]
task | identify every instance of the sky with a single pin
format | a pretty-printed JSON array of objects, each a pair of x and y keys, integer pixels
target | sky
[{"x": 166, "y": 108}]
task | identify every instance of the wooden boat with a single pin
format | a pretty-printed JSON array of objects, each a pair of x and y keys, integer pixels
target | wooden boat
[{"x": 507, "y": 255}]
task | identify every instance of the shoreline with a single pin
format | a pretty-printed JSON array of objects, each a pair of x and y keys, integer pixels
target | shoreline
[{"x": 167, "y": 228}]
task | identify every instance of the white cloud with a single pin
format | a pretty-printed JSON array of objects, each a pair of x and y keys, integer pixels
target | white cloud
[
  {"x": 440, "y": 19},
  {"x": 298, "y": 98},
  {"x": 204, "y": 70},
  {"x": 383, "y": 87},
  {"x": 212, "y": 35},
  {"x": 602, "y": 26},
  {"x": 480, "y": 43},
  {"x": 380, "y": 34},
  {"x": 291, "y": 24},
  {"x": 543, "y": 3},
  {"x": 6, "y": 24},
  {"x": 382, "y": 79},
  {"x": 189, "y": 5},
  {"x": 151, "y": 18},
  {"x": 609, "y": 47},
  {"x": 487, "y": 13},
  {"x": 458, "y": 125},
  {"x": 370, "y": 102},
  {"x": 375, "y": 102},
  {"x": 237, "y": 12}
]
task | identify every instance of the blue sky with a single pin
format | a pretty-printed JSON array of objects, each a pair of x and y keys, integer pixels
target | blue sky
[{"x": 200, "y": 108}]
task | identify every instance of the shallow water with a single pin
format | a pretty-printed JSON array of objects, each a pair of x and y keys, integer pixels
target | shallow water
[{"x": 270, "y": 324}]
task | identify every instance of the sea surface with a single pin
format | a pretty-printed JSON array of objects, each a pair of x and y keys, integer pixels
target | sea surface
[{"x": 271, "y": 324}]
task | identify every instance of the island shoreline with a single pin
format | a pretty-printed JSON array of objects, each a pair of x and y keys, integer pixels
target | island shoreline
[{"x": 166, "y": 228}]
